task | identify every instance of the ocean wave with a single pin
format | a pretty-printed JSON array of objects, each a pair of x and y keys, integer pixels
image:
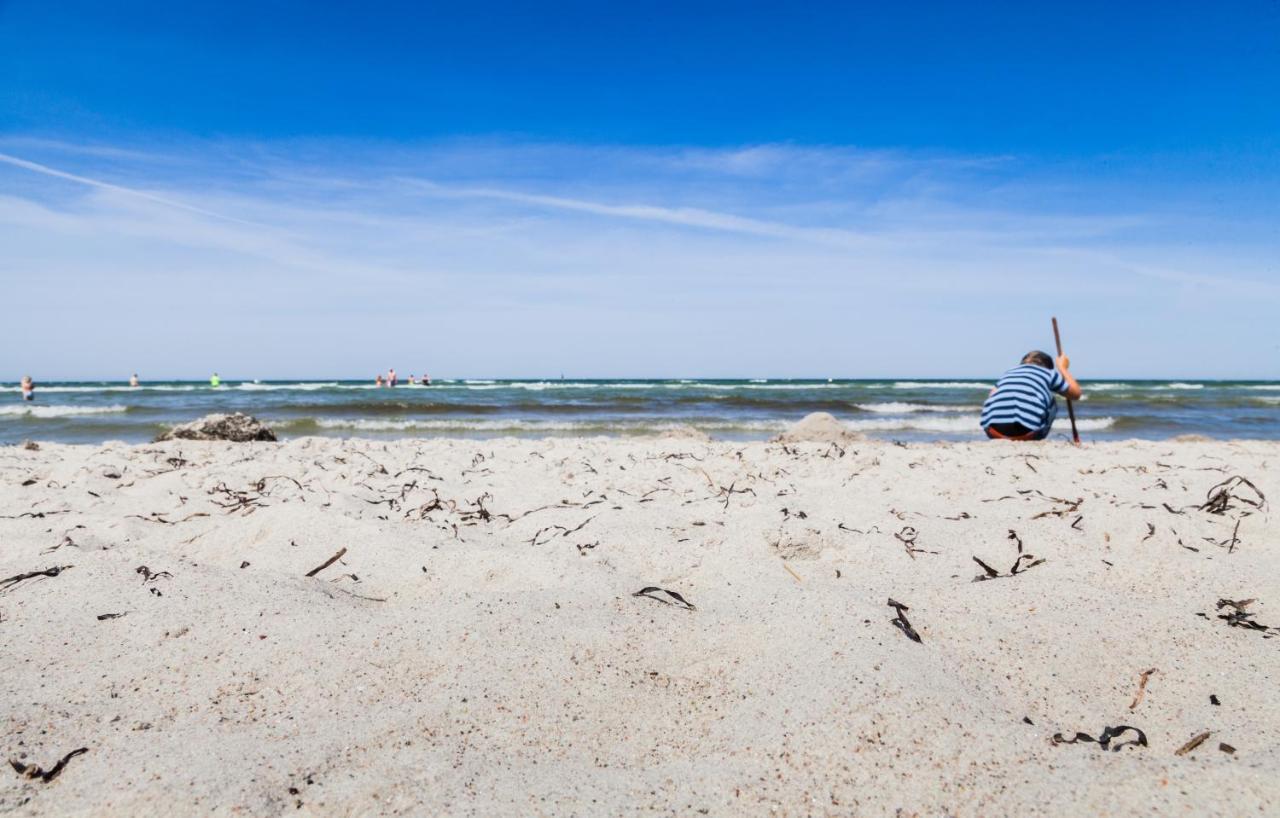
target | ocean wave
[
  {"x": 59, "y": 411},
  {"x": 940, "y": 385},
  {"x": 962, "y": 424},
  {"x": 895, "y": 408},
  {"x": 276, "y": 387},
  {"x": 40, "y": 389},
  {"x": 1179, "y": 386}
]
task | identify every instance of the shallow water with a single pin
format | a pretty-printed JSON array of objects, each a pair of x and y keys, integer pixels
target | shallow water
[{"x": 84, "y": 412}]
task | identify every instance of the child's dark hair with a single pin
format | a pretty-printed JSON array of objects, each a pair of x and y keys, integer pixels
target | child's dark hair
[{"x": 1038, "y": 358}]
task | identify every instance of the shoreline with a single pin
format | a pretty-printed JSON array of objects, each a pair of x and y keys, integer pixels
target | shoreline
[{"x": 479, "y": 647}]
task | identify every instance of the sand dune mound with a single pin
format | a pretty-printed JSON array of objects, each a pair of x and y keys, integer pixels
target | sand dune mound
[
  {"x": 237, "y": 428},
  {"x": 818, "y": 427}
]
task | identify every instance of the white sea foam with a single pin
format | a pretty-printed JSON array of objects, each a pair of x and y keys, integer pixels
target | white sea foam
[
  {"x": 940, "y": 385},
  {"x": 59, "y": 411},
  {"x": 894, "y": 408},
  {"x": 408, "y": 424},
  {"x": 951, "y": 424},
  {"x": 277, "y": 387},
  {"x": 1180, "y": 386}
]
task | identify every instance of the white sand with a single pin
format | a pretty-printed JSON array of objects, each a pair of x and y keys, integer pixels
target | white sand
[{"x": 503, "y": 667}]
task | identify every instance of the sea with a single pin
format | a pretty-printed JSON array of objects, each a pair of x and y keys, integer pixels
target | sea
[{"x": 750, "y": 409}]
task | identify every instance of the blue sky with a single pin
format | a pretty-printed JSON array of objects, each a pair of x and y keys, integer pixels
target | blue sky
[{"x": 285, "y": 189}]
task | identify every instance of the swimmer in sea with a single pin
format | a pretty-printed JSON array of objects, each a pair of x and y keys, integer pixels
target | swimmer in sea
[
  {"x": 28, "y": 388},
  {"x": 215, "y": 381},
  {"x": 378, "y": 380},
  {"x": 133, "y": 381},
  {"x": 391, "y": 377}
]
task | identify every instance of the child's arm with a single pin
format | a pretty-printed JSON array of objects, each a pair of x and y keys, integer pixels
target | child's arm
[{"x": 1074, "y": 392}]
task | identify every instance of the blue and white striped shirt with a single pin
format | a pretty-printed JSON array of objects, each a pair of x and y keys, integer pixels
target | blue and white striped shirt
[{"x": 1024, "y": 395}]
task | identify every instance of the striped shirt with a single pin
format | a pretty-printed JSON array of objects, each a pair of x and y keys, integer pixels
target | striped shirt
[{"x": 1024, "y": 395}]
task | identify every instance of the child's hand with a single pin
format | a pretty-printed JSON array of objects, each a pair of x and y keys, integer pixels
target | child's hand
[{"x": 1064, "y": 363}]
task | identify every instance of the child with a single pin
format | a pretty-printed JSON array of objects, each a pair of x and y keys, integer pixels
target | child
[
  {"x": 28, "y": 388},
  {"x": 1021, "y": 406}
]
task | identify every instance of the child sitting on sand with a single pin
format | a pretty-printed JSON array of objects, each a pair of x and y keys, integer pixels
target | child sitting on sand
[{"x": 1022, "y": 406}]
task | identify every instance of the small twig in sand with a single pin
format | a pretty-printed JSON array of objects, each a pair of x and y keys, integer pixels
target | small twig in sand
[
  {"x": 1142, "y": 688},
  {"x": 1195, "y": 742},
  {"x": 327, "y": 563}
]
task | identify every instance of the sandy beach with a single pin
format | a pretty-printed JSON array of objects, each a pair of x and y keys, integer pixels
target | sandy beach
[{"x": 479, "y": 647}]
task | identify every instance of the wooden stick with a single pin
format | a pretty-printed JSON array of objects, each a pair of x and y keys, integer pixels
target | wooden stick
[
  {"x": 326, "y": 563},
  {"x": 1071, "y": 412}
]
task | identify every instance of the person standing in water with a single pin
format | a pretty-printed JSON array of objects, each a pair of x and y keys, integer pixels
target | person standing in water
[
  {"x": 133, "y": 381},
  {"x": 378, "y": 380},
  {"x": 391, "y": 377},
  {"x": 28, "y": 388},
  {"x": 215, "y": 381}
]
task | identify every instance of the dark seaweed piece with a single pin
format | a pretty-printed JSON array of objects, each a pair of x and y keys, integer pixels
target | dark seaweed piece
[
  {"x": 1013, "y": 535},
  {"x": 1234, "y": 541},
  {"x": 1151, "y": 532},
  {"x": 728, "y": 492},
  {"x": 327, "y": 563},
  {"x": 1220, "y": 496},
  {"x": 651, "y": 591},
  {"x": 907, "y": 536},
  {"x": 10, "y": 582},
  {"x": 901, "y": 622},
  {"x": 151, "y": 576},
  {"x": 110, "y": 616},
  {"x": 1021, "y": 564},
  {"x": 1226, "y": 748},
  {"x": 1193, "y": 743},
  {"x": 1240, "y": 617},
  {"x": 991, "y": 572},
  {"x": 1214, "y": 700},
  {"x": 1104, "y": 740},
  {"x": 36, "y": 771}
]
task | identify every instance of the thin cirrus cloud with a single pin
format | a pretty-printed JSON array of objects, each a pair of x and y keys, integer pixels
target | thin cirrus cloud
[{"x": 698, "y": 242}]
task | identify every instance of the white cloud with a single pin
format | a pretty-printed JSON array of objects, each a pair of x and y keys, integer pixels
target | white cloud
[{"x": 318, "y": 255}]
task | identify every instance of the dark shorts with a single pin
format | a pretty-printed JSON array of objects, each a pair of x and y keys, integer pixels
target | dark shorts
[{"x": 1015, "y": 431}]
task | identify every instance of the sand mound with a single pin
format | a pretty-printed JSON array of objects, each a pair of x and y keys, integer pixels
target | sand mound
[
  {"x": 818, "y": 427},
  {"x": 237, "y": 428}
]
